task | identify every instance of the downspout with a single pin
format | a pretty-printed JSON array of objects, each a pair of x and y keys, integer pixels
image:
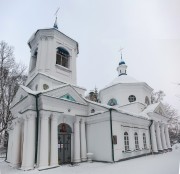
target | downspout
[
  {"x": 150, "y": 133},
  {"x": 37, "y": 128},
  {"x": 112, "y": 146}
]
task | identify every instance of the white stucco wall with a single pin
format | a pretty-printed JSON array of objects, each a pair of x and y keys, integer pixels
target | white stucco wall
[
  {"x": 121, "y": 93},
  {"x": 99, "y": 137},
  {"x": 133, "y": 107},
  {"x": 123, "y": 123}
]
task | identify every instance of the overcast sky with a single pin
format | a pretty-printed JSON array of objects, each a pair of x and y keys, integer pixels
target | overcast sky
[{"x": 148, "y": 30}]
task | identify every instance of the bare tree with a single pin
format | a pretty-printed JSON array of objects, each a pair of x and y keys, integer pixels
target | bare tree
[
  {"x": 93, "y": 95},
  {"x": 11, "y": 76},
  {"x": 157, "y": 96},
  {"x": 174, "y": 118}
]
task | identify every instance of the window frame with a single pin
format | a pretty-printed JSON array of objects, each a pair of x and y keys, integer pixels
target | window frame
[
  {"x": 136, "y": 141},
  {"x": 132, "y": 98},
  {"x": 126, "y": 141},
  {"x": 62, "y": 57},
  {"x": 112, "y": 100},
  {"x": 144, "y": 141}
]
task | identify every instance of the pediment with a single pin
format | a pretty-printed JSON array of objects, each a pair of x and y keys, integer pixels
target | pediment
[
  {"x": 160, "y": 110},
  {"x": 66, "y": 92},
  {"x": 20, "y": 94}
]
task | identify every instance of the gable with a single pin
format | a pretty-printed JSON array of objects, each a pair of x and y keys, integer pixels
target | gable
[
  {"x": 66, "y": 92},
  {"x": 68, "y": 97},
  {"x": 160, "y": 110},
  {"x": 20, "y": 94}
]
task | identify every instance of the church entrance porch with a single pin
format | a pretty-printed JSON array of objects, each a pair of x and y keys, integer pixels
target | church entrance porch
[{"x": 64, "y": 143}]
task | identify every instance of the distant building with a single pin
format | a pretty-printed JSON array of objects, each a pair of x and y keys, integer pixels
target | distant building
[{"x": 56, "y": 124}]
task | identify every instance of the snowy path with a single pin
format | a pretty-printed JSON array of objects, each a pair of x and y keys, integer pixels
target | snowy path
[{"x": 167, "y": 163}]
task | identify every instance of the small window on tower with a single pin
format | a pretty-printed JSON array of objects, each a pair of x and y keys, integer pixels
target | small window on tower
[{"x": 62, "y": 57}]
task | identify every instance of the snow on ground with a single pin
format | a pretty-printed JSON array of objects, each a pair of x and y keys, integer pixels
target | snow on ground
[{"x": 167, "y": 163}]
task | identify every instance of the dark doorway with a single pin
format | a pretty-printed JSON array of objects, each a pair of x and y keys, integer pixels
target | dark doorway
[{"x": 64, "y": 143}]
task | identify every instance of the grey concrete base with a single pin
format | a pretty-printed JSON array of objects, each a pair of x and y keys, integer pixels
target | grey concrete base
[
  {"x": 169, "y": 149},
  {"x": 165, "y": 150},
  {"x": 161, "y": 151},
  {"x": 134, "y": 157}
]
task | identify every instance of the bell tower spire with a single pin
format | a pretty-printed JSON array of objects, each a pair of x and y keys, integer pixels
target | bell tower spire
[{"x": 122, "y": 66}]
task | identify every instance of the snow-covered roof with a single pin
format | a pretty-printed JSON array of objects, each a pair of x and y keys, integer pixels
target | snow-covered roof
[
  {"x": 119, "y": 110},
  {"x": 29, "y": 91},
  {"x": 98, "y": 104},
  {"x": 34, "y": 34},
  {"x": 51, "y": 77},
  {"x": 139, "y": 115},
  {"x": 121, "y": 79},
  {"x": 124, "y": 79},
  {"x": 151, "y": 108}
]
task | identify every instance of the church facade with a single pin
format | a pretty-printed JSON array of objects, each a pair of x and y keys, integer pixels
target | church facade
[{"x": 55, "y": 124}]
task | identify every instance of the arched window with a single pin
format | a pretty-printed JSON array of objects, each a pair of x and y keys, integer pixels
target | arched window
[
  {"x": 126, "y": 141},
  {"x": 112, "y": 102},
  {"x": 64, "y": 128},
  {"x": 147, "y": 100},
  {"x": 34, "y": 60},
  {"x": 136, "y": 141},
  {"x": 62, "y": 57},
  {"x": 132, "y": 98},
  {"x": 144, "y": 141}
]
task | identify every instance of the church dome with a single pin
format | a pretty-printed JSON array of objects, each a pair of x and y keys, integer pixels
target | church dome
[
  {"x": 122, "y": 80},
  {"x": 122, "y": 62}
]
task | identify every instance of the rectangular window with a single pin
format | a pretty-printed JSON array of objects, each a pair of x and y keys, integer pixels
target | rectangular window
[
  {"x": 114, "y": 139},
  {"x": 62, "y": 60}
]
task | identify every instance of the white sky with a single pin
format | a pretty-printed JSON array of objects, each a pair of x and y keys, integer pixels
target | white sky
[{"x": 148, "y": 30}]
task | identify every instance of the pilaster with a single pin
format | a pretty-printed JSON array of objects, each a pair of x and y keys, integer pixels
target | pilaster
[
  {"x": 83, "y": 141},
  {"x": 54, "y": 141},
  {"x": 167, "y": 138},
  {"x": 164, "y": 146},
  {"x": 25, "y": 139},
  {"x": 44, "y": 140},
  {"x": 153, "y": 139},
  {"x": 158, "y": 138},
  {"x": 77, "y": 157},
  {"x": 16, "y": 157},
  {"x": 28, "y": 160}
]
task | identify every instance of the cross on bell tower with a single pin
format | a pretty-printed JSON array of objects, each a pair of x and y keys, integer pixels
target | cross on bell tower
[{"x": 55, "y": 23}]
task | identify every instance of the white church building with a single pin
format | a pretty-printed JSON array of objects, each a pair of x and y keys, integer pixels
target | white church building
[{"x": 55, "y": 124}]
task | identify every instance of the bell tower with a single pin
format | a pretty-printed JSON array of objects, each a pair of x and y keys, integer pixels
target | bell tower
[{"x": 53, "y": 54}]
